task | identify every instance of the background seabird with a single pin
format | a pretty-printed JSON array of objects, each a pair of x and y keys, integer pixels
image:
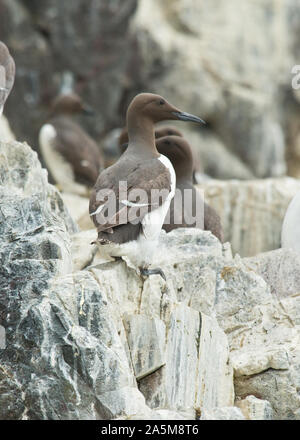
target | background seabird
[
  {"x": 72, "y": 156},
  {"x": 159, "y": 132},
  {"x": 179, "y": 152}
]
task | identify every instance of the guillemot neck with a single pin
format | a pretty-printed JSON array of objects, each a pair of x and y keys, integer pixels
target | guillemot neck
[
  {"x": 59, "y": 113},
  {"x": 141, "y": 136},
  {"x": 184, "y": 173},
  {"x": 184, "y": 180}
]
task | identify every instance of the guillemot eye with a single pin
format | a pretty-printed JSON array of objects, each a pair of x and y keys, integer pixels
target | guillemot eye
[{"x": 162, "y": 102}]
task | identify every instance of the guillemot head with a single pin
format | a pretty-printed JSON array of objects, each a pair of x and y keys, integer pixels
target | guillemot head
[
  {"x": 70, "y": 104},
  {"x": 179, "y": 152},
  {"x": 156, "y": 108}
]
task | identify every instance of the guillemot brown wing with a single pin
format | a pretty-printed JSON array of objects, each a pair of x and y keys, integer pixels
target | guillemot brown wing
[{"x": 144, "y": 176}]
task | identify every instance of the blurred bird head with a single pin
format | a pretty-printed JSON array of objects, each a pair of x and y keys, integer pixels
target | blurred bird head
[
  {"x": 70, "y": 104},
  {"x": 179, "y": 152}
]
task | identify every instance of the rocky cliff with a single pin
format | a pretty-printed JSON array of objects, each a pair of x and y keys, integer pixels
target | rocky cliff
[
  {"x": 86, "y": 338},
  {"x": 252, "y": 211}
]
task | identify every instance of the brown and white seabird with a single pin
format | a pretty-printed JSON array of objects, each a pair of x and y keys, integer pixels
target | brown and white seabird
[
  {"x": 7, "y": 74},
  {"x": 187, "y": 207},
  {"x": 131, "y": 230},
  {"x": 71, "y": 155}
]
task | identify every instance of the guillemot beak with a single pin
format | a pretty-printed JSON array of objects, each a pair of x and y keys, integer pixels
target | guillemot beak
[{"x": 183, "y": 116}]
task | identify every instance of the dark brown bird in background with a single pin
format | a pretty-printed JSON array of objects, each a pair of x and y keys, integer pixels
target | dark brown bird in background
[
  {"x": 159, "y": 132},
  {"x": 7, "y": 74},
  {"x": 73, "y": 158},
  {"x": 127, "y": 232},
  {"x": 183, "y": 209}
]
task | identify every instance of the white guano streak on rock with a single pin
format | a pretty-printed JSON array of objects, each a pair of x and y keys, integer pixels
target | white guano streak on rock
[
  {"x": 145, "y": 338},
  {"x": 215, "y": 373}
]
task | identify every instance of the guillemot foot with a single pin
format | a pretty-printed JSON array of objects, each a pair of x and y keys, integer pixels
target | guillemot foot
[{"x": 147, "y": 272}]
